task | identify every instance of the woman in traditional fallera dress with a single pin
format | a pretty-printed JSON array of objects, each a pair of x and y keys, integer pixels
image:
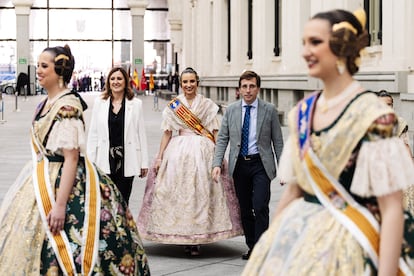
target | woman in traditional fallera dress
[
  {"x": 182, "y": 205},
  {"x": 62, "y": 216},
  {"x": 341, "y": 212}
]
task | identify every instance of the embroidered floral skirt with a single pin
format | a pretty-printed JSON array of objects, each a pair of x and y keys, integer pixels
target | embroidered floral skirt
[
  {"x": 26, "y": 250},
  {"x": 182, "y": 204},
  {"x": 306, "y": 240}
]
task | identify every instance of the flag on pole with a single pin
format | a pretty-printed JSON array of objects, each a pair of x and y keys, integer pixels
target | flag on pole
[
  {"x": 151, "y": 82},
  {"x": 143, "y": 81},
  {"x": 135, "y": 80}
]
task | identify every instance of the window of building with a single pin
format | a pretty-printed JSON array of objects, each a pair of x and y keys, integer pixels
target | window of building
[
  {"x": 99, "y": 34},
  {"x": 373, "y": 9},
  {"x": 278, "y": 28},
  {"x": 7, "y": 30},
  {"x": 250, "y": 29},
  {"x": 228, "y": 30}
]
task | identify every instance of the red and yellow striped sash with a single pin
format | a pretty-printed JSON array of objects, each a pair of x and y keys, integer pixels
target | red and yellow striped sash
[{"x": 189, "y": 119}]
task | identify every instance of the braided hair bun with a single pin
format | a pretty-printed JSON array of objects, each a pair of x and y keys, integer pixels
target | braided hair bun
[
  {"x": 348, "y": 37},
  {"x": 64, "y": 61}
]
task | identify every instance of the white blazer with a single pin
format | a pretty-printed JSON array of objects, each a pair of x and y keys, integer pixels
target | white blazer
[{"x": 135, "y": 139}]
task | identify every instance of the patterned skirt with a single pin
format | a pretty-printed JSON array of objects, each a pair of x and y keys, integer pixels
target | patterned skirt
[{"x": 26, "y": 250}]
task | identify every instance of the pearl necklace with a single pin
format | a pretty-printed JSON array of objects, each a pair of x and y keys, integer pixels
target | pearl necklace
[{"x": 325, "y": 104}]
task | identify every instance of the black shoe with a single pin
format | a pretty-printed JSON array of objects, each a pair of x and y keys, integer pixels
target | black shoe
[
  {"x": 246, "y": 255},
  {"x": 195, "y": 250}
]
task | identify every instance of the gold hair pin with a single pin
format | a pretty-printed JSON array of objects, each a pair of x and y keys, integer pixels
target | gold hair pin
[
  {"x": 361, "y": 16},
  {"x": 61, "y": 56},
  {"x": 344, "y": 25}
]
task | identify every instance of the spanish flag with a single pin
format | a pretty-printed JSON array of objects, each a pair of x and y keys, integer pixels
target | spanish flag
[
  {"x": 151, "y": 82},
  {"x": 135, "y": 80},
  {"x": 143, "y": 80}
]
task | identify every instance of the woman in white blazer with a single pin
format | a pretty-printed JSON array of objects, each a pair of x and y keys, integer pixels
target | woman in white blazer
[{"x": 117, "y": 141}]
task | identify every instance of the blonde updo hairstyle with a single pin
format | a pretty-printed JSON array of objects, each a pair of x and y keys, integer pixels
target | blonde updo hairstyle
[{"x": 348, "y": 37}]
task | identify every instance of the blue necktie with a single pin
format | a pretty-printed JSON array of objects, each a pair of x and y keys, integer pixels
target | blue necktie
[{"x": 245, "y": 132}]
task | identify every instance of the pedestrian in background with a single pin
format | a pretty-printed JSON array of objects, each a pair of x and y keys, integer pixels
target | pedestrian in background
[
  {"x": 251, "y": 127},
  {"x": 117, "y": 140},
  {"x": 62, "y": 216},
  {"x": 182, "y": 205},
  {"x": 402, "y": 130},
  {"x": 341, "y": 212}
]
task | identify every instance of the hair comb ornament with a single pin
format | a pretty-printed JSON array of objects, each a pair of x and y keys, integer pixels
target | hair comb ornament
[
  {"x": 61, "y": 56},
  {"x": 361, "y": 16},
  {"x": 344, "y": 25}
]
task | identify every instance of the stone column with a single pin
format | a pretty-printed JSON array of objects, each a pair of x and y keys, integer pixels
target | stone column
[
  {"x": 137, "y": 18},
  {"x": 22, "y": 9},
  {"x": 175, "y": 8}
]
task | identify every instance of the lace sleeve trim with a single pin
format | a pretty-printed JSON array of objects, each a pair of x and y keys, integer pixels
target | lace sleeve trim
[
  {"x": 67, "y": 133},
  {"x": 383, "y": 167}
]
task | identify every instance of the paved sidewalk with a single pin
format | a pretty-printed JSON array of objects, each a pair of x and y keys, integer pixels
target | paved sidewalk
[{"x": 220, "y": 258}]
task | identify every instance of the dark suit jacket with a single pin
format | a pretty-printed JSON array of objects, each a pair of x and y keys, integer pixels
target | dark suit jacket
[{"x": 269, "y": 136}]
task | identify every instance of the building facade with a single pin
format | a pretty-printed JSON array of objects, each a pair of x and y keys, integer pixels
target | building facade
[{"x": 221, "y": 38}]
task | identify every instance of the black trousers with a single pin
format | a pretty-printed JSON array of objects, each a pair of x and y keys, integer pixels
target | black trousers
[
  {"x": 253, "y": 191},
  {"x": 124, "y": 184}
]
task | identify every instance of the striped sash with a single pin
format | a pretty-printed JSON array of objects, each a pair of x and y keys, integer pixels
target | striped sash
[
  {"x": 357, "y": 219},
  {"x": 45, "y": 200},
  {"x": 189, "y": 119}
]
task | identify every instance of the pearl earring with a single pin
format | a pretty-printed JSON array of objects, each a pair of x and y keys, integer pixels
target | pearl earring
[
  {"x": 340, "y": 66},
  {"x": 61, "y": 82}
]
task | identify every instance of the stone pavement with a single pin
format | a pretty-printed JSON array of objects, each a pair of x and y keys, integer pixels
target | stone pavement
[{"x": 220, "y": 258}]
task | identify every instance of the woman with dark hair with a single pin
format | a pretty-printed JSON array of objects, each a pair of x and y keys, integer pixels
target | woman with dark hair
[
  {"x": 62, "y": 216},
  {"x": 402, "y": 131},
  {"x": 182, "y": 204},
  {"x": 117, "y": 141},
  {"x": 345, "y": 168}
]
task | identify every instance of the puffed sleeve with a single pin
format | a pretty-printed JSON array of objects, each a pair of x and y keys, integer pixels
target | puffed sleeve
[
  {"x": 383, "y": 165},
  {"x": 68, "y": 132},
  {"x": 286, "y": 171},
  {"x": 213, "y": 124},
  {"x": 168, "y": 120}
]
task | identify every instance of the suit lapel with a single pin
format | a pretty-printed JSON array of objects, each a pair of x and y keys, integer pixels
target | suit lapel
[
  {"x": 104, "y": 109},
  {"x": 260, "y": 117},
  {"x": 128, "y": 113},
  {"x": 238, "y": 119}
]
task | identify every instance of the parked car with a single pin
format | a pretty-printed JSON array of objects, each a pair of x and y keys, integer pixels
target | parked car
[{"x": 7, "y": 84}]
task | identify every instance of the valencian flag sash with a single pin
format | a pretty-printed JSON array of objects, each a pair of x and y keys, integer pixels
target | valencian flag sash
[
  {"x": 357, "y": 219},
  {"x": 45, "y": 200},
  {"x": 189, "y": 119}
]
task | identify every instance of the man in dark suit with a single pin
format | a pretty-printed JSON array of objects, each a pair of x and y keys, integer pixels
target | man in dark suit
[{"x": 252, "y": 127}]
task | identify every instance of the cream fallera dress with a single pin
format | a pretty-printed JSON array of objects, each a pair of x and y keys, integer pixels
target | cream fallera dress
[
  {"x": 305, "y": 238},
  {"x": 182, "y": 204}
]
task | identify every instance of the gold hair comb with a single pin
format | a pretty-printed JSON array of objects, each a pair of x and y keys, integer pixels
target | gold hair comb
[
  {"x": 61, "y": 56},
  {"x": 361, "y": 16},
  {"x": 344, "y": 25},
  {"x": 362, "y": 19}
]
